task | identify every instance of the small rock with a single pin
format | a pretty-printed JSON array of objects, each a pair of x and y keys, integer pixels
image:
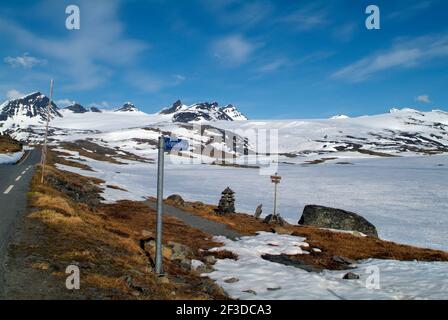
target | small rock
[
  {"x": 196, "y": 264},
  {"x": 185, "y": 264},
  {"x": 274, "y": 289},
  {"x": 210, "y": 259},
  {"x": 344, "y": 260},
  {"x": 351, "y": 276},
  {"x": 231, "y": 280},
  {"x": 162, "y": 279},
  {"x": 250, "y": 291},
  {"x": 274, "y": 219}
]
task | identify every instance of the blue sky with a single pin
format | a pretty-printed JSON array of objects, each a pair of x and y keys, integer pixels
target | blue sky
[{"x": 272, "y": 59}]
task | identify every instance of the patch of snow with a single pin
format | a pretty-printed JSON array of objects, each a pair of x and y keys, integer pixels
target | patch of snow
[
  {"x": 379, "y": 279},
  {"x": 11, "y": 158}
]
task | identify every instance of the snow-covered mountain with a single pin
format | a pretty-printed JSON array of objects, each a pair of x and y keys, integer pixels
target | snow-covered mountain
[
  {"x": 399, "y": 132},
  {"x": 27, "y": 110},
  {"x": 128, "y": 107},
  {"x": 201, "y": 112},
  {"x": 76, "y": 108}
]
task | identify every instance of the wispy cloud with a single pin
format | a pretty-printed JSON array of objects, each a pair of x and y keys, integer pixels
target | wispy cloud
[
  {"x": 242, "y": 13},
  {"x": 345, "y": 32},
  {"x": 25, "y": 61},
  {"x": 62, "y": 103},
  {"x": 404, "y": 54},
  {"x": 307, "y": 18},
  {"x": 147, "y": 82},
  {"x": 410, "y": 9},
  {"x": 273, "y": 66},
  {"x": 14, "y": 94},
  {"x": 84, "y": 57},
  {"x": 233, "y": 49},
  {"x": 424, "y": 98}
]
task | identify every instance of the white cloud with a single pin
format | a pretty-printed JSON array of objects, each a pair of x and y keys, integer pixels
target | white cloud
[
  {"x": 151, "y": 83},
  {"x": 84, "y": 58},
  {"x": 404, "y": 54},
  {"x": 25, "y": 61},
  {"x": 233, "y": 49},
  {"x": 64, "y": 103},
  {"x": 102, "y": 104},
  {"x": 14, "y": 94},
  {"x": 424, "y": 98}
]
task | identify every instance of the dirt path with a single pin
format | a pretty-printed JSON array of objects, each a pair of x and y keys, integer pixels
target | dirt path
[{"x": 210, "y": 227}]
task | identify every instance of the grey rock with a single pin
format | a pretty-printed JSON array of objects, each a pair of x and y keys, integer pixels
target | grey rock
[
  {"x": 177, "y": 200},
  {"x": 231, "y": 280},
  {"x": 326, "y": 217},
  {"x": 274, "y": 219},
  {"x": 258, "y": 211},
  {"x": 210, "y": 260},
  {"x": 351, "y": 276},
  {"x": 344, "y": 260}
]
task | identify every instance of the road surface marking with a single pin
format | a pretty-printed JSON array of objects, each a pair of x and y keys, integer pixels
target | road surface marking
[
  {"x": 23, "y": 172},
  {"x": 24, "y": 158},
  {"x": 9, "y": 189},
  {"x": 18, "y": 178}
]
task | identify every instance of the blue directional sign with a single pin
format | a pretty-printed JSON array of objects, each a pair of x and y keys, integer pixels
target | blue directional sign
[{"x": 175, "y": 144}]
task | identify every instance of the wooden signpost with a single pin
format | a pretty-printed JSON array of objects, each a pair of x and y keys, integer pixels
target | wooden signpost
[{"x": 275, "y": 179}]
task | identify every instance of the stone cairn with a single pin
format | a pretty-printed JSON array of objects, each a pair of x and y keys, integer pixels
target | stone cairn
[{"x": 227, "y": 202}]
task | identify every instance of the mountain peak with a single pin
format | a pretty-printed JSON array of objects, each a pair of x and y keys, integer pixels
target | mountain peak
[
  {"x": 174, "y": 108},
  {"x": 128, "y": 107},
  {"x": 202, "y": 111},
  {"x": 31, "y": 106},
  {"x": 76, "y": 108}
]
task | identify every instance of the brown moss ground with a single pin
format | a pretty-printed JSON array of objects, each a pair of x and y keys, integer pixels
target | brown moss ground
[
  {"x": 9, "y": 145},
  {"x": 104, "y": 241},
  {"x": 331, "y": 243}
]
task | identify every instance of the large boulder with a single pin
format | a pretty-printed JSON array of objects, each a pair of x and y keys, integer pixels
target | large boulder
[
  {"x": 177, "y": 200},
  {"x": 325, "y": 217}
]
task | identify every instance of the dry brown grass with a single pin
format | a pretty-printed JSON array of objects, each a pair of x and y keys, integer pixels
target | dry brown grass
[
  {"x": 331, "y": 243},
  {"x": 105, "y": 242},
  {"x": 9, "y": 145}
]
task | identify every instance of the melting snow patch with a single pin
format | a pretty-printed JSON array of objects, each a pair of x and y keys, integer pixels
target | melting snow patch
[
  {"x": 10, "y": 158},
  {"x": 379, "y": 279}
]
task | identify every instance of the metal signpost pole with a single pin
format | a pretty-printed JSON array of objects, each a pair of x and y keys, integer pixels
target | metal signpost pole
[
  {"x": 44, "y": 149},
  {"x": 159, "y": 269},
  {"x": 275, "y": 198}
]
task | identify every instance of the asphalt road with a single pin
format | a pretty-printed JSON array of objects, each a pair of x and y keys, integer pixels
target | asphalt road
[
  {"x": 14, "y": 182},
  {"x": 208, "y": 226}
]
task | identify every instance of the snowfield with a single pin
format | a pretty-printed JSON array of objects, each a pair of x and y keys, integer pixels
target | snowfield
[
  {"x": 251, "y": 277},
  {"x": 405, "y": 198}
]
